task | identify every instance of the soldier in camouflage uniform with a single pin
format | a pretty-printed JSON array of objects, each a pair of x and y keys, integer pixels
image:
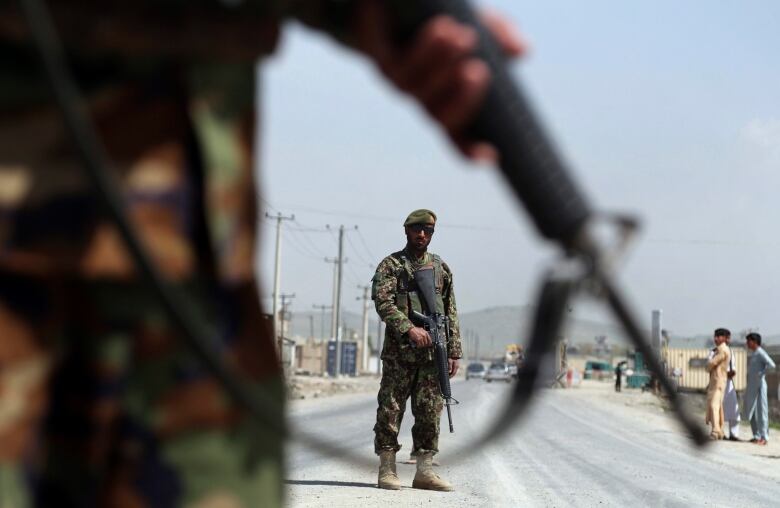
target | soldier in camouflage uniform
[
  {"x": 100, "y": 403},
  {"x": 407, "y": 356}
]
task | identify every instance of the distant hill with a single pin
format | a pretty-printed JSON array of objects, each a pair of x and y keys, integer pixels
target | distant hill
[
  {"x": 499, "y": 326},
  {"x": 496, "y": 327},
  {"x": 301, "y": 324}
]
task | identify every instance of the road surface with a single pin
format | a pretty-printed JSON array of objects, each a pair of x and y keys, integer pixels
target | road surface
[{"x": 580, "y": 447}]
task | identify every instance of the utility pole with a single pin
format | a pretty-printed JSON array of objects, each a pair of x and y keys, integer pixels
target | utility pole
[
  {"x": 311, "y": 327},
  {"x": 366, "y": 298},
  {"x": 337, "y": 304},
  {"x": 339, "y": 262},
  {"x": 323, "y": 308},
  {"x": 333, "y": 318},
  {"x": 285, "y": 302},
  {"x": 333, "y": 325},
  {"x": 278, "y": 273}
]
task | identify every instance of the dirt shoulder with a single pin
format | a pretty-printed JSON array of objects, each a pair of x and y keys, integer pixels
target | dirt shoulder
[
  {"x": 301, "y": 387},
  {"x": 651, "y": 408}
]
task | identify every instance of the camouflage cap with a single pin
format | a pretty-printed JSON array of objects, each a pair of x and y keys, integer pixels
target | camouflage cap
[{"x": 421, "y": 216}]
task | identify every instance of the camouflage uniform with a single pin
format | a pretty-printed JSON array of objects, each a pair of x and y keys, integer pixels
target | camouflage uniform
[
  {"x": 100, "y": 403},
  {"x": 409, "y": 371}
]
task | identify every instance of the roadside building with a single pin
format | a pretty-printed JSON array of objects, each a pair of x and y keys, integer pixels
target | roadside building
[{"x": 689, "y": 367}]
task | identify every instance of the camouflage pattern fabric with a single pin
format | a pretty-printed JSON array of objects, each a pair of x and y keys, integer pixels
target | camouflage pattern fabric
[
  {"x": 386, "y": 299},
  {"x": 401, "y": 380},
  {"x": 100, "y": 402},
  {"x": 409, "y": 371}
]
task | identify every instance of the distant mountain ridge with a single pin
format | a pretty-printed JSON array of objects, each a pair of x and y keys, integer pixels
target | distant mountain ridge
[{"x": 499, "y": 326}]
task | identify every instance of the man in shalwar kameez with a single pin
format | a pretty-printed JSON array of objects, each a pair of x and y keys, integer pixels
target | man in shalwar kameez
[
  {"x": 730, "y": 401},
  {"x": 717, "y": 366},
  {"x": 756, "y": 403}
]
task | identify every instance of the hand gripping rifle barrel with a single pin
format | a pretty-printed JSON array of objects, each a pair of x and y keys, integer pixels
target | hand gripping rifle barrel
[
  {"x": 527, "y": 158},
  {"x": 436, "y": 325}
]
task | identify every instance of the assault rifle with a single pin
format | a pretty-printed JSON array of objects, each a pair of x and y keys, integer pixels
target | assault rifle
[{"x": 437, "y": 326}]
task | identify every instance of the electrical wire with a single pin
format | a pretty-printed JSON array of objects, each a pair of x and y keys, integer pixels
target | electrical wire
[
  {"x": 365, "y": 245},
  {"x": 357, "y": 254}
]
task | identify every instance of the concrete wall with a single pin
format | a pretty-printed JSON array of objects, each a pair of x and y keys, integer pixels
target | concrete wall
[{"x": 310, "y": 356}]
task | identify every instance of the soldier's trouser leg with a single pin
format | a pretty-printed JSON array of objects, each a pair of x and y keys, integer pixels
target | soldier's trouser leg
[
  {"x": 427, "y": 404},
  {"x": 161, "y": 431},
  {"x": 157, "y": 434},
  {"x": 394, "y": 390},
  {"x": 24, "y": 372}
]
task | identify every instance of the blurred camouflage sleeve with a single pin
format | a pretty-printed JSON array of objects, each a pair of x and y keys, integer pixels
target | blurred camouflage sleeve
[
  {"x": 385, "y": 283},
  {"x": 454, "y": 349}
]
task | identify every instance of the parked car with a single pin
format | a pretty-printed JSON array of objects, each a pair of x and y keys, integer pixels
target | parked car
[
  {"x": 476, "y": 370},
  {"x": 498, "y": 372},
  {"x": 600, "y": 370}
]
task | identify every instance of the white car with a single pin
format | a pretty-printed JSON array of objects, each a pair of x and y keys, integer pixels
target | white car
[
  {"x": 476, "y": 370},
  {"x": 498, "y": 372}
]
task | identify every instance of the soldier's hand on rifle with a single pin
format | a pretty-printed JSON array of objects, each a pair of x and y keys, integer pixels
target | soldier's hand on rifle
[
  {"x": 437, "y": 68},
  {"x": 420, "y": 337},
  {"x": 454, "y": 364}
]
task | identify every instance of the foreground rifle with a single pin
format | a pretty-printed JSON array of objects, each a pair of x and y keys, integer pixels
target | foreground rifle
[
  {"x": 527, "y": 159},
  {"x": 437, "y": 326},
  {"x": 557, "y": 206}
]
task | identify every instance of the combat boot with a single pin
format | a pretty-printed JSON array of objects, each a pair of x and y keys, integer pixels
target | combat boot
[
  {"x": 388, "y": 479},
  {"x": 426, "y": 478}
]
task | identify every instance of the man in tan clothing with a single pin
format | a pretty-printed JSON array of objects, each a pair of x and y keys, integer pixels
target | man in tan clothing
[{"x": 717, "y": 366}]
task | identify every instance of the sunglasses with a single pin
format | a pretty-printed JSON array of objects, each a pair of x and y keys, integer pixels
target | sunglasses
[{"x": 416, "y": 228}]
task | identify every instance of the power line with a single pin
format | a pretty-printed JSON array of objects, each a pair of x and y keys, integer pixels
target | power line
[
  {"x": 267, "y": 204},
  {"x": 353, "y": 275},
  {"x": 304, "y": 227},
  {"x": 380, "y": 218},
  {"x": 265, "y": 222},
  {"x": 707, "y": 243},
  {"x": 344, "y": 213},
  {"x": 355, "y": 250},
  {"x": 365, "y": 245},
  {"x": 303, "y": 231},
  {"x": 300, "y": 249},
  {"x": 310, "y": 251}
]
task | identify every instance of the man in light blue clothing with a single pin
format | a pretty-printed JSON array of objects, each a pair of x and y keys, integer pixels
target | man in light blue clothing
[{"x": 756, "y": 403}]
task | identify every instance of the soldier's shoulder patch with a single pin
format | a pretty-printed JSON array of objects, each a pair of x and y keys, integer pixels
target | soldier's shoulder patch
[{"x": 390, "y": 264}]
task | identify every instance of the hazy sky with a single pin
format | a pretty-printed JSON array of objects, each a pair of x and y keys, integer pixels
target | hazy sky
[{"x": 668, "y": 110}]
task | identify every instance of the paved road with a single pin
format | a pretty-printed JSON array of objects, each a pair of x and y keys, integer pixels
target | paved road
[{"x": 579, "y": 447}]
